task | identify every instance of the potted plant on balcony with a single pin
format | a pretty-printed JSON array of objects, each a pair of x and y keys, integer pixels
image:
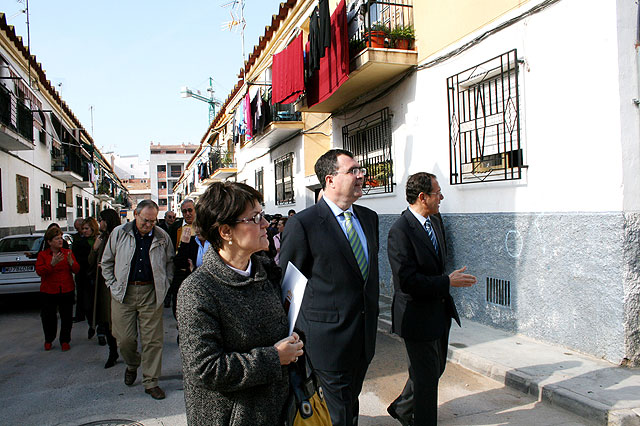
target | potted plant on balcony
[
  {"x": 378, "y": 34},
  {"x": 403, "y": 37},
  {"x": 355, "y": 47}
]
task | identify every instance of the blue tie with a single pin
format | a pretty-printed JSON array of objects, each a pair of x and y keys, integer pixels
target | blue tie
[
  {"x": 432, "y": 235},
  {"x": 356, "y": 246}
]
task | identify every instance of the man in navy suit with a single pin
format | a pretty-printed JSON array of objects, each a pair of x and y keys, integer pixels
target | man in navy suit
[
  {"x": 335, "y": 245},
  {"x": 422, "y": 306}
]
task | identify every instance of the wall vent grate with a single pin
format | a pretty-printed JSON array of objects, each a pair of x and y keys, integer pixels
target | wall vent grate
[{"x": 499, "y": 291}]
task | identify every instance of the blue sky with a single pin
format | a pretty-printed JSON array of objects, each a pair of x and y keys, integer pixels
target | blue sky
[{"x": 129, "y": 60}]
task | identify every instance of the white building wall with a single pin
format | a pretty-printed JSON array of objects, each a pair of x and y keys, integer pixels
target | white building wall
[
  {"x": 570, "y": 117},
  {"x": 561, "y": 235}
]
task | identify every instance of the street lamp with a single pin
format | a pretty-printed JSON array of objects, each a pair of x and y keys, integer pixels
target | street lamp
[{"x": 185, "y": 92}]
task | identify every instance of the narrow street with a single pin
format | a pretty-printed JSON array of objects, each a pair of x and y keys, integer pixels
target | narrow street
[{"x": 73, "y": 388}]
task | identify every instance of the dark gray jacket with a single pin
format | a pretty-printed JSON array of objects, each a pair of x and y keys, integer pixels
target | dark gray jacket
[{"x": 228, "y": 325}]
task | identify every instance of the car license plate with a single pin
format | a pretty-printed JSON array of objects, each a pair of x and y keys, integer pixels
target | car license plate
[{"x": 21, "y": 268}]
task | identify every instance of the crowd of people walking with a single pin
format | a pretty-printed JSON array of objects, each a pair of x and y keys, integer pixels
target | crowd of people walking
[{"x": 221, "y": 267}]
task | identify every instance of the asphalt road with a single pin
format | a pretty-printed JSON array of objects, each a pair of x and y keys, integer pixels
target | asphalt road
[{"x": 73, "y": 388}]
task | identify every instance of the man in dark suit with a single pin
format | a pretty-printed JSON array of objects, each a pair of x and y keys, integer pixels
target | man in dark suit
[
  {"x": 335, "y": 245},
  {"x": 422, "y": 306}
]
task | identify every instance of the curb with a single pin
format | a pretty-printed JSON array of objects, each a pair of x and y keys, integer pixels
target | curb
[{"x": 550, "y": 393}]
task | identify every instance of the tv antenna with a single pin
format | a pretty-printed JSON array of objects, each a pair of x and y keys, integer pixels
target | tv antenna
[{"x": 237, "y": 23}]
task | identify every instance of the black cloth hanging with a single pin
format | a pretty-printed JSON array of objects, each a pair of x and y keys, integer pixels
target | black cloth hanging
[{"x": 319, "y": 34}]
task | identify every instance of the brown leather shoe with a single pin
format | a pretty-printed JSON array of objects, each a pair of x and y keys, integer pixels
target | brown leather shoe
[
  {"x": 130, "y": 376},
  {"x": 155, "y": 392}
]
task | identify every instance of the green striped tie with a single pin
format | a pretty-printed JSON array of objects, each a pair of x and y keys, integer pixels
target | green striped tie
[{"x": 356, "y": 246}]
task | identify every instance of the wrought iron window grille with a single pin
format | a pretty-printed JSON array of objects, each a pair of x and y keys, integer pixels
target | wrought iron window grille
[
  {"x": 284, "y": 179},
  {"x": 369, "y": 140},
  {"x": 260, "y": 182},
  {"x": 45, "y": 202},
  {"x": 78, "y": 206},
  {"x": 61, "y": 209},
  {"x": 484, "y": 122}
]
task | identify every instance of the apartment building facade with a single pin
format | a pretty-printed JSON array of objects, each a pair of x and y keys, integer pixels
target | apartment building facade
[
  {"x": 50, "y": 169},
  {"x": 166, "y": 164},
  {"x": 511, "y": 104}
]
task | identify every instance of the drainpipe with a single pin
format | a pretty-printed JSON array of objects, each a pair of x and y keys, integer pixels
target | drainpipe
[{"x": 637, "y": 100}]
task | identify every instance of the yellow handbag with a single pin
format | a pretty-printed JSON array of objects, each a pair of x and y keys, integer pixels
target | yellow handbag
[
  {"x": 318, "y": 415},
  {"x": 306, "y": 405}
]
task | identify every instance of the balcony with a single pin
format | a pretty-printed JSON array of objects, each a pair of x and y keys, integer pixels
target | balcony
[
  {"x": 16, "y": 123},
  {"x": 282, "y": 122},
  {"x": 381, "y": 48},
  {"x": 70, "y": 167},
  {"x": 222, "y": 163}
]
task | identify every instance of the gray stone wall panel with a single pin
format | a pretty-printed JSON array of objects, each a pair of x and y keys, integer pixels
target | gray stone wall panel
[{"x": 570, "y": 283}]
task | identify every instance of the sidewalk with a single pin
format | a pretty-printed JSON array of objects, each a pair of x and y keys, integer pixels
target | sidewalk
[{"x": 589, "y": 387}]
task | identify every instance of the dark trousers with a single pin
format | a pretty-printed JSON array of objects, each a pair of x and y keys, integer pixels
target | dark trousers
[
  {"x": 51, "y": 305},
  {"x": 341, "y": 390},
  {"x": 418, "y": 402}
]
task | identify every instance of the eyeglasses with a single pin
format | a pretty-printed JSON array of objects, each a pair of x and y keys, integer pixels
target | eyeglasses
[
  {"x": 255, "y": 219},
  {"x": 353, "y": 171},
  {"x": 187, "y": 210},
  {"x": 147, "y": 221},
  {"x": 439, "y": 193}
]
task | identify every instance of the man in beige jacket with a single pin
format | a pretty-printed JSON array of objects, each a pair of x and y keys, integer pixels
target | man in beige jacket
[{"x": 137, "y": 266}]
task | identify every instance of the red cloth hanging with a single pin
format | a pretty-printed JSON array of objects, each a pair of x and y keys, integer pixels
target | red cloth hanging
[
  {"x": 288, "y": 73},
  {"x": 334, "y": 66}
]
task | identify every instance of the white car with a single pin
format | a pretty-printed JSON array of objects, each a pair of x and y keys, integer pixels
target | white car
[{"x": 18, "y": 255}]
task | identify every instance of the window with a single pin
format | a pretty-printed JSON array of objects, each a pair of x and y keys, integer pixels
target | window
[
  {"x": 86, "y": 207},
  {"x": 369, "y": 139},
  {"x": 162, "y": 202},
  {"x": 45, "y": 202},
  {"x": 93, "y": 209},
  {"x": 61, "y": 209},
  {"x": 162, "y": 168},
  {"x": 260, "y": 181},
  {"x": 176, "y": 170},
  {"x": 484, "y": 122},
  {"x": 162, "y": 184},
  {"x": 284, "y": 179},
  {"x": 78, "y": 206},
  {"x": 22, "y": 192},
  {"x": 0, "y": 190}
]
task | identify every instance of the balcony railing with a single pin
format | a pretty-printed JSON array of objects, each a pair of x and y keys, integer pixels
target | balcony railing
[
  {"x": 68, "y": 161},
  {"x": 382, "y": 24},
  {"x": 18, "y": 117},
  {"x": 221, "y": 159},
  {"x": 284, "y": 112},
  {"x": 280, "y": 122}
]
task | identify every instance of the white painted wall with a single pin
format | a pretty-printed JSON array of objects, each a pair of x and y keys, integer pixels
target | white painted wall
[
  {"x": 251, "y": 160},
  {"x": 571, "y": 118}
]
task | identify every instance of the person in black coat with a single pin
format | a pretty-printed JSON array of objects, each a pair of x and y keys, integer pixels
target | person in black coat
[
  {"x": 422, "y": 306},
  {"x": 335, "y": 245},
  {"x": 189, "y": 257}
]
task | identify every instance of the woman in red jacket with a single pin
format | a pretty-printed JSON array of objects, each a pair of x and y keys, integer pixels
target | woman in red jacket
[{"x": 55, "y": 265}]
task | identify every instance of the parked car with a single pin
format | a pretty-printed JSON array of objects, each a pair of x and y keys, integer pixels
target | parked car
[{"x": 18, "y": 255}]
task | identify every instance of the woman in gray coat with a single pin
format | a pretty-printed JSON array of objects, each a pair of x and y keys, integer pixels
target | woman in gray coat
[{"x": 233, "y": 328}]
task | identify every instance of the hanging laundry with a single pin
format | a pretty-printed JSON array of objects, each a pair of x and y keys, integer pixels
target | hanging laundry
[
  {"x": 319, "y": 34},
  {"x": 288, "y": 73},
  {"x": 334, "y": 67},
  {"x": 248, "y": 118},
  {"x": 256, "y": 104}
]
